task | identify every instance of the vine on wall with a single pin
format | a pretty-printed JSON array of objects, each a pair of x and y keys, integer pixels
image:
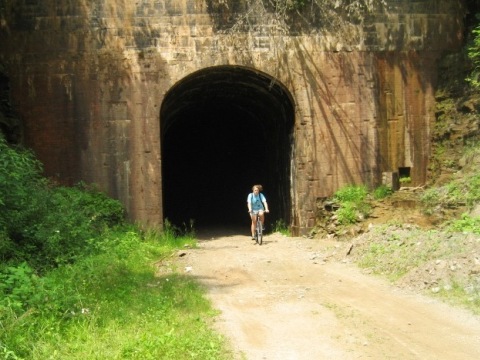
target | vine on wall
[{"x": 293, "y": 16}]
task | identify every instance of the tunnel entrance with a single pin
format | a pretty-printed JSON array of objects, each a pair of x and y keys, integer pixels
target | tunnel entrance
[{"x": 224, "y": 129}]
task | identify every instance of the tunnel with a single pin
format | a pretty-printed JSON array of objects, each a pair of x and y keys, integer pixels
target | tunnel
[{"x": 223, "y": 130}]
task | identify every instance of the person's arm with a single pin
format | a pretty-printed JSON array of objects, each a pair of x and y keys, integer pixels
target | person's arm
[
  {"x": 265, "y": 204},
  {"x": 249, "y": 203}
]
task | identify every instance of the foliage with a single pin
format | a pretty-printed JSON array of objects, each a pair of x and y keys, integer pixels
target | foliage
[
  {"x": 19, "y": 287},
  {"x": 43, "y": 224},
  {"x": 352, "y": 193},
  {"x": 459, "y": 192},
  {"x": 400, "y": 245},
  {"x": 112, "y": 304},
  {"x": 300, "y": 15},
  {"x": 467, "y": 224},
  {"x": 76, "y": 282},
  {"x": 20, "y": 178},
  {"x": 347, "y": 214},
  {"x": 473, "y": 52},
  {"x": 353, "y": 204},
  {"x": 281, "y": 227},
  {"x": 382, "y": 192}
]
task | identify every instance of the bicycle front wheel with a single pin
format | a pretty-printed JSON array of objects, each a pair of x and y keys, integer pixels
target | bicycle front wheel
[{"x": 259, "y": 237}]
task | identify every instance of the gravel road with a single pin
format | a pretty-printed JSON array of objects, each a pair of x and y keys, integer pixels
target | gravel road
[{"x": 287, "y": 299}]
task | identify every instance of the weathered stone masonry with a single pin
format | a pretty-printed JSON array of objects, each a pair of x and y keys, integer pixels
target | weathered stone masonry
[{"x": 89, "y": 78}]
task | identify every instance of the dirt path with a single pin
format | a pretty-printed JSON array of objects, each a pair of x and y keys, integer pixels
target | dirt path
[{"x": 285, "y": 300}]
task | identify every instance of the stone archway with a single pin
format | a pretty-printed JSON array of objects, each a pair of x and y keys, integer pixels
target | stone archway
[{"x": 224, "y": 129}]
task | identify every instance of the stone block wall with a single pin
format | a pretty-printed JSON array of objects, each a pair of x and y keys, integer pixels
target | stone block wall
[{"x": 88, "y": 79}]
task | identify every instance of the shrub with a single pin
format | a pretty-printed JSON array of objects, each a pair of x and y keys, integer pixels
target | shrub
[
  {"x": 352, "y": 193},
  {"x": 281, "y": 227},
  {"x": 347, "y": 214},
  {"x": 382, "y": 192},
  {"x": 20, "y": 181},
  {"x": 43, "y": 224},
  {"x": 353, "y": 204},
  {"x": 18, "y": 287},
  {"x": 72, "y": 217},
  {"x": 466, "y": 223}
]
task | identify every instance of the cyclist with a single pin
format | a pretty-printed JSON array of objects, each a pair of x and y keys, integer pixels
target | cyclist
[{"x": 257, "y": 203}]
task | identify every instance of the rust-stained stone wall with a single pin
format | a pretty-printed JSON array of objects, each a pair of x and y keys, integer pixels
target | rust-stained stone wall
[{"x": 88, "y": 79}]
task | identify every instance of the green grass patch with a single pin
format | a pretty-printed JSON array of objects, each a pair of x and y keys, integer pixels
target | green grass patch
[
  {"x": 382, "y": 192},
  {"x": 458, "y": 294},
  {"x": 352, "y": 204},
  {"x": 112, "y": 305},
  {"x": 462, "y": 191},
  {"x": 396, "y": 253},
  {"x": 466, "y": 223},
  {"x": 281, "y": 227}
]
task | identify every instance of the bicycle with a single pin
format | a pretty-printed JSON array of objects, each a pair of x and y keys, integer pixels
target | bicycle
[{"x": 258, "y": 230}]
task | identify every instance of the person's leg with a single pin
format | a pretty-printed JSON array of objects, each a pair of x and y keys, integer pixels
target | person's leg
[
  {"x": 262, "y": 218},
  {"x": 254, "y": 224}
]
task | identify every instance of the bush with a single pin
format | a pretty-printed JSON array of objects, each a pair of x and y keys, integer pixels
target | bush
[
  {"x": 20, "y": 181},
  {"x": 352, "y": 193},
  {"x": 347, "y": 214},
  {"x": 382, "y": 192},
  {"x": 466, "y": 223},
  {"x": 71, "y": 218},
  {"x": 18, "y": 287},
  {"x": 43, "y": 224},
  {"x": 281, "y": 227},
  {"x": 353, "y": 204}
]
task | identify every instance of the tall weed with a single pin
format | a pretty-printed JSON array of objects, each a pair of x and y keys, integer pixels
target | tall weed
[{"x": 353, "y": 204}]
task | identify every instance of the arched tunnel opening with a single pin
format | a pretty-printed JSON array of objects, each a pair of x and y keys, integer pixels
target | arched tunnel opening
[{"x": 224, "y": 129}]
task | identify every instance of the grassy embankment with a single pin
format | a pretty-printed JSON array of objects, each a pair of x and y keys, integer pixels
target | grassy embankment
[
  {"x": 442, "y": 260},
  {"x": 78, "y": 282}
]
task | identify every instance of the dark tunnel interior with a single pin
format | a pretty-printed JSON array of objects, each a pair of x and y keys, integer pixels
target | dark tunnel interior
[{"x": 224, "y": 129}]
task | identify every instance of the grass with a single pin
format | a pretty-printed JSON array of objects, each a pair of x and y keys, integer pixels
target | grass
[
  {"x": 466, "y": 223},
  {"x": 399, "y": 252},
  {"x": 353, "y": 204},
  {"x": 78, "y": 282},
  {"x": 114, "y": 305},
  {"x": 382, "y": 192},
  {"x": 456, "y": 294},
  {"x": 393, "y": 252},
  {"x": 281, "y": 227}
]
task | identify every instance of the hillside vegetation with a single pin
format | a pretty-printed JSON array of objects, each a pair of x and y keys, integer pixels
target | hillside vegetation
[
  {"x": 78, "y": 282},
  {"x": 425, "y": 238}
]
